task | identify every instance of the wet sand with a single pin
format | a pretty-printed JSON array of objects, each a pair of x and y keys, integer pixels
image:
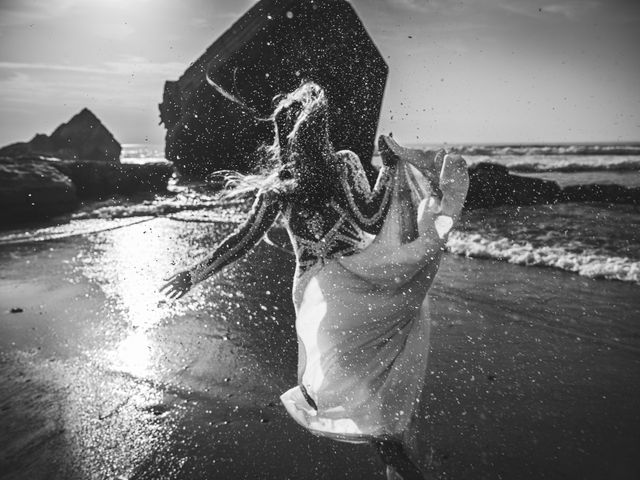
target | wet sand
[{"x": 534, "y": 372}]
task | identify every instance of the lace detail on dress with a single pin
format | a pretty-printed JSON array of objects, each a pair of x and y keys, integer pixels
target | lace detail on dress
[
  {"x": 345, "y": 237},
  {"x": 345, "y": 224},
  {"x": 368, "y": 206},
  {"x": 355, "y": 178}
]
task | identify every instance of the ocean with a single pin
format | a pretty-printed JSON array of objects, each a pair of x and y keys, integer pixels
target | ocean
[
  {"x": 595, "y": 240},
  {"x": 534, "y": 351}
]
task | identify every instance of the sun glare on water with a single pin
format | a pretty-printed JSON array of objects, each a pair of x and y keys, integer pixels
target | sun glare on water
[{"x": 133, "y": 262}]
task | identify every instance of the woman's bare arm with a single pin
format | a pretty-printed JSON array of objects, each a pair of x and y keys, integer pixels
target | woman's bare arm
[
  {"x": 368, "y": 207},
  {"x": 454, "y": 183},
  {"x": 263, "y": 213}
]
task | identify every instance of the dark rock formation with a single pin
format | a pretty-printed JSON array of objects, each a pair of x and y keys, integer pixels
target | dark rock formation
[
  {"x": 83, "y": 137},
  {"x": 32, "y": 188},
  {"x": 270, "y": 50},
  {"x": 491, "y": 185},
  {"x": 99, "y": 180},
  {"x": 600, "y": 193},
  {"x": 40, "y": 187}
]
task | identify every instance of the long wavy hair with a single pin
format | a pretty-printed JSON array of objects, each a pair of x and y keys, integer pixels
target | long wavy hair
[{"x": 300, "y": 163}]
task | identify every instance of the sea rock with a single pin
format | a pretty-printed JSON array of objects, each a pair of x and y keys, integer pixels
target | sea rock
[
  {"x": 601, "y": 193},
  {"x": 33, "y": 189},
  {"x": 83, "y": 137},
  {"x": 491, "y": 185},
  {"x": 98, "y": 180},
  {"x": 270, "y": 50}
]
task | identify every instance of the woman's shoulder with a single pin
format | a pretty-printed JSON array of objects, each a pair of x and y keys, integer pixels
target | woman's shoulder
[
  {"x": 352, "y": 175},
  {"x": 349, "y": 159},
  {"x": 349, "y": 165},
  {"x": 270, "y": 197}
]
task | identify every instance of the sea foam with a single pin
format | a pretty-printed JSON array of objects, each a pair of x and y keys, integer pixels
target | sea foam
[
  {"x": 588, "y": 263},
  {"x": 606, "y": 164},
  {"x": 561, "y": 163}
]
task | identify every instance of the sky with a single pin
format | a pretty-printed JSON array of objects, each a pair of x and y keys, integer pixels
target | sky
[{"x": 472, "y": 71}]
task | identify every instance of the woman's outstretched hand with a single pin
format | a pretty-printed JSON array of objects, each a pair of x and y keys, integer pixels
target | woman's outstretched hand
[
  {"x": 428, "y": 162},
  {"x": 178, "y": 285},
  {"x": 388, "y": 155}
]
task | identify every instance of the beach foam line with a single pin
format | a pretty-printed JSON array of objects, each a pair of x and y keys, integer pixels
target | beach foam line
[
  {"x": 605, "y": 164},
  {"x": 587, "y": 263},
  {"x": 207, "y": 216},
  {"x": 71, "y": 229},
  {"x": 183, "y": 205},
  {"x": 548, "y": 150}
]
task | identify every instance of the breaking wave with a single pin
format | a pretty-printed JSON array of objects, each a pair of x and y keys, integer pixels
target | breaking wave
[
  {"x": 603, "y": 164},
  {"x": 550, "y": 150},
  {"x": 587, "y": 263},
  {"x": 561, "y": 163}
]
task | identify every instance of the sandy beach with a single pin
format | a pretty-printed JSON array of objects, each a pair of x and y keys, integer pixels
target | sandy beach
[
  {"x": 534, "y": 371},
  {"x": 123, "y": 122}
]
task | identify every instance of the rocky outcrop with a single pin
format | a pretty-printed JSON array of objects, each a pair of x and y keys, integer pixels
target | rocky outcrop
[
  {"x": 600, "y": 193},
  {"x": 98, "y": 180},
  {"x": 33, "y": 189},
  {"x": 83, "y": 137},
  {"x": 491, "y": 185},
  {"x": 270, "y": 50}
]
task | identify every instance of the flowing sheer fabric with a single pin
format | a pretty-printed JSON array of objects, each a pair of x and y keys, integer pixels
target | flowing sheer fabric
[{"x": 363, "y": 328}]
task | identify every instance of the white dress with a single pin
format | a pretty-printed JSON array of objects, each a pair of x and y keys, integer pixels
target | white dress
[
  {"x": 362, "y": 313},
  {"x": 363, "y": 326}
]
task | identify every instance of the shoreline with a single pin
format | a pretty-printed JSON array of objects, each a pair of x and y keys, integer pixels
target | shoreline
[{"x": 532, "y": 370}]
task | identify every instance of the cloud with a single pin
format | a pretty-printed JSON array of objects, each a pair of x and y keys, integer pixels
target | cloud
[
  {"x": 21, "y": 12},
  {"x": 570, "y": 10},
  {"x": 16, "y": 13},
  {"x": 423, "y": 5},
  {"x": 132, "y": 82},
  {"x": 128, "y": 64},
  {"x": 413, "y": 4},
  {"x": 17, "y": 66},
  {"x": 24, "y": 88},
  {"x": 125, "y": 66}
]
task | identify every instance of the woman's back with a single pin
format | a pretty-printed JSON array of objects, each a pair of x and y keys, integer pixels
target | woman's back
[{"x": 345, "y": 221}]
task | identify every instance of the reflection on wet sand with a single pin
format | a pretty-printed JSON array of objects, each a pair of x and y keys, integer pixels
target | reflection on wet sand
[
  {"x": 133, "y": 354},
  {"x": 134, "y": 260},
  {"x": 102, "y": 378},
  {"x": 131, "y": 263}
]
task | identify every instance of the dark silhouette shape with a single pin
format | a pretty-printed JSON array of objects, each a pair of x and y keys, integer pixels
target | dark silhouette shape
[
  {"x": 270, "y": 50},
  {"x": 84, "y": 137},
  {"x": 31, "y": 188},
  {"x": 491, "y": 185}
]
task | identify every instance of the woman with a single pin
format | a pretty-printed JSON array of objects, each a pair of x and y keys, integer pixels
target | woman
[{"x": 365, "y": 260}]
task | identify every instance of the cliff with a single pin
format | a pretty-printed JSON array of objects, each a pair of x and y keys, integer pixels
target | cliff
[{"x": 270, "y": 50}]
